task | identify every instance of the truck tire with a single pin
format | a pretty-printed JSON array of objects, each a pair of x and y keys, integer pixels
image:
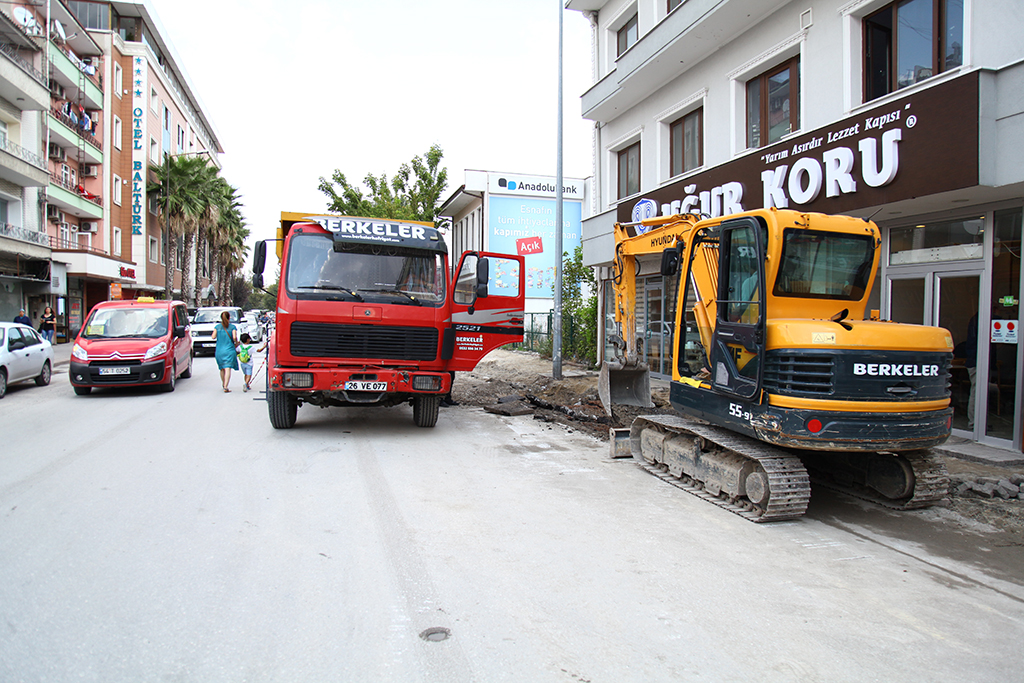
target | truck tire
[
  {"x": 424, "y": 410},
  {"x": 283, "y": 409}
]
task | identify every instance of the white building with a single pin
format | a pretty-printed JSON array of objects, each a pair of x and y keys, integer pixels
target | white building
[{"x": 910, "y": 112}]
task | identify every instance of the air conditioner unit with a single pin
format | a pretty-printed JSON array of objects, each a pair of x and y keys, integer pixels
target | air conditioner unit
[
  {"x": 88, "y": 226},
  {"x": 90, "y": 170},
  {"x": 57, "y": 152},
  {"x": 52, "y": 211},
  {"x": 56, "y": 216}
]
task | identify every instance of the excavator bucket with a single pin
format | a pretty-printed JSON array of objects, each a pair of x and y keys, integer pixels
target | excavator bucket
[{"x": 625, "y": 385}]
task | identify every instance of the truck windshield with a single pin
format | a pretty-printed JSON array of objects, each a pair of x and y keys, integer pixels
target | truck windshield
[
  {"x": 116, "y": 323},
  {"x": 824, "y": 265},
  {"x": 315, "y": 270}
]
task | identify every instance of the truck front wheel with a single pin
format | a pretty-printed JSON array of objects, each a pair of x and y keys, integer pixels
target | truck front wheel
[
  {"x": 283, "y": 409},
  {"x": 424, "y": 410}
]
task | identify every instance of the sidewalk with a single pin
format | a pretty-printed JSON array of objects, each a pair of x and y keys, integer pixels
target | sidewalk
[{"x": 62, "y": 355}]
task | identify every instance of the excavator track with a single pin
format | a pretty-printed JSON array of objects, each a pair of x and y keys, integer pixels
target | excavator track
[
  {"x": 754, "y": 480},
  {"x": 928, "y": 476}
]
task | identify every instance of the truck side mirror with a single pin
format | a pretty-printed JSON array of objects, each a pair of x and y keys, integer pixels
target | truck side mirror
[
  {"x": 670, "y": 261},
  {"x": 257, "y": 280},
  {"x": 481, "y": 278}
]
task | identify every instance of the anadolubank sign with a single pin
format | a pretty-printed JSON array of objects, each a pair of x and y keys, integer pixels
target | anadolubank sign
[
  {"x": 534, "y": 186},
  {"x": 922, "y": 144}
]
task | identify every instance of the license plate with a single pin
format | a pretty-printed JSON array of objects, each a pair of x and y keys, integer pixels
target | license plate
[
  {"x": 115, "y": 371},
  {"x": 366, "y": 386}
]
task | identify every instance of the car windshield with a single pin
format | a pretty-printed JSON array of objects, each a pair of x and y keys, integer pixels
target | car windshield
[
  {"x": 213, "y": 316},
  {"x": 118, "y": 323},
  {"x": 410, "y": 276}
]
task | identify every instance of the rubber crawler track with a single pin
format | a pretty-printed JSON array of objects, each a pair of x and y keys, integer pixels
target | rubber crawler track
[{"x": 788, "y": 482}]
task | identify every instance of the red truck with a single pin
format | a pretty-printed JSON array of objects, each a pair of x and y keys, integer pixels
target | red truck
[{"x": 369, "y": 315}]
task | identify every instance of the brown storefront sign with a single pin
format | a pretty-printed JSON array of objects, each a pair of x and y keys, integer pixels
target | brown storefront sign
[{"x": 921, "y": 144}]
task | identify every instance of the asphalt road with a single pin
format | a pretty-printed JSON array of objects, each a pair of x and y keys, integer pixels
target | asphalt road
[{"x": 178, "y": 537}]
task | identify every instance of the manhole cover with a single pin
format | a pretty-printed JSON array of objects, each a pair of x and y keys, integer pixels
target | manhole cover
[{"x": 436, "y": 634}]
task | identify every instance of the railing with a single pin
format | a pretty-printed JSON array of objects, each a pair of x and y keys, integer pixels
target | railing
[
  {"x": 80, "y": 191},
  {"x": 75, "y": 126},
  {"x": 67, "y": 244},
  {"x": 17, "y": 150},
  {"x": 537, "y": 333},
  {"x": 26, "y": 66},
  {"x": 24, "y": 234}
]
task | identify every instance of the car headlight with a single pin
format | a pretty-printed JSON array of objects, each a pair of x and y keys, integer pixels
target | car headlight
[
  {"x": 157, "y": 350},
  {"x": 79, "y": 353}
]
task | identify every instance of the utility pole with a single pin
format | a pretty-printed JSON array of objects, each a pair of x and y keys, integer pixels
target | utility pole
[{"x": 556, "y": 345}]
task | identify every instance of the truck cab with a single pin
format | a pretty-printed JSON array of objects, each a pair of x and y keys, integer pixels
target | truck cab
[{"x": 369, "y": 315}]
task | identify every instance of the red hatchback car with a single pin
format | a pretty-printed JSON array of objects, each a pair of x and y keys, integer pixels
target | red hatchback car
[{"x": 132, "y": 343}]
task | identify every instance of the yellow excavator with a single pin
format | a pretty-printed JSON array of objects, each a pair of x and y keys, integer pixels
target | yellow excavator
[{"x": 776, "y": 374}]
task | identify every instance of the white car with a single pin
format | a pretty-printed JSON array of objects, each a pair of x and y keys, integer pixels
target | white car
[
  {"x": 204, "y": 323},
  {"x": 23, "y": 355},
  {"x": 253, "y": 327}
]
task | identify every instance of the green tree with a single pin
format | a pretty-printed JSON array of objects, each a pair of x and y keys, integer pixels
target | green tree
[
  {"x": 579, "y": 309},
  {"x": 412, "y": 193},
  {"x": 178, "y": 186}
]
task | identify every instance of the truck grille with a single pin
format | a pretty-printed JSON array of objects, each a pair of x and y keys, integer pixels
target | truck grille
[
  {"x": 325, "y": 340},
  {"x": 799, "y": 375}
]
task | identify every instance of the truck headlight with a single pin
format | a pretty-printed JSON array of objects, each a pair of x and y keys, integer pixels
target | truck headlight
[
  {"x": 426, "y": 383},
  {"x": 297, "y": 380}
]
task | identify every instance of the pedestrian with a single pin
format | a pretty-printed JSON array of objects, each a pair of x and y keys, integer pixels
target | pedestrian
[
  {"x": 48, "y": 324},
  {"x": 23, "y": 319},
  {"x": 226, "y": 335},
  {"x": 245, "y": 352}
]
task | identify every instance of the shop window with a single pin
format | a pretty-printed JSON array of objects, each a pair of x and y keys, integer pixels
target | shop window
[
  {"x": 627, "y": 36},
  {"x": 909, "y": 41},
  {"x": 773, "y": 109},
  {"x": 686, "y": 140},
  {"x": 629, "y": 170},
  {"x": 937, "y": 242}
]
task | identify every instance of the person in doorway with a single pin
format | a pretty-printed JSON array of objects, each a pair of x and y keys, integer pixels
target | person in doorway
[
  {"x": 971, "y": 363},
  {"x": 48, "y": 324},
  {"x": 226, "y": 335},
  {"x": 23, "y": 319}
]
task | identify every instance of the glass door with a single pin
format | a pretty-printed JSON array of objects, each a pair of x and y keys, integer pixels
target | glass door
[
  {"x": 956, "y": 310},
  {"x": 654, "y": 337}
]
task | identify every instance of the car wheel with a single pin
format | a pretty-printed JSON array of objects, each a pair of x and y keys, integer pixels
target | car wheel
[
  {"x": 44, "y": 375},
  {"x": 83, "y": 391},
  {"x": 424, "y": 410},
  {"x": 169, "y": 387},
  {"x": 3, "y": 382},
  {"x": 283, "y": 409},
  {"x": 188, "y": 369}
]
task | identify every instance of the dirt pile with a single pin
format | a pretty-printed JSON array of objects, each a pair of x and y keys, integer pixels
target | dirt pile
[{"x": 521, "y": 383}]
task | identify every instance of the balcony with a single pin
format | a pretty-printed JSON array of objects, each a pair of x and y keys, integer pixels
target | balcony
[
  {"x": 20, "y": 166},
  {"x": 678, "y": 42},
  {"x": 21, "y": 84},
  {"x": 71, "y": 74},
  {"x": 85, "y": 260},
  {"x": 74, "y": 200},
  {"x": 27, "y": 243},
  {"x": 67, "y": 133}
]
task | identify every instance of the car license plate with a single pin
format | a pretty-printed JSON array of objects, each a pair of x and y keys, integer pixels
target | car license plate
[
  {"x": 366, "y": 386},
  {"x": 115, "y": 371}
]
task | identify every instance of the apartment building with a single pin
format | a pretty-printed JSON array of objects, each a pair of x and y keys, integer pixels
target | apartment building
[
  {"x": 908, "y": 112},
  {"x": 25, "y": 270}
]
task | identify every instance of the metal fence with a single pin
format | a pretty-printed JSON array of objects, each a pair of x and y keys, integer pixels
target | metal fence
[{"x": 538, "y": 334}]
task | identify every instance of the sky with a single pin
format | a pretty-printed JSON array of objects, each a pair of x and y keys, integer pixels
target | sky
[{"x": 299, "y": 89}]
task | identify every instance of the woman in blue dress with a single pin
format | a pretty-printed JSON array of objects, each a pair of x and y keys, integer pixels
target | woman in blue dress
[{"x": 226, "y": 335}]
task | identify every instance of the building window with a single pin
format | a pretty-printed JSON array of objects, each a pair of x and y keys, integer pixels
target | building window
[
  {"x": 116, "y": 239},
  {"x": 4, "y": 211},
  {"x": 629, "y": 170},
  {"x": 181, "y": 139},
  {"x": 909, "y": 41},
  {"x": 672, "y": 4},
  {"x": 115, "y": 190},
  {"x": 627, "y": 35},
  {"x": 686, "y": 143},
  {"x": 154, "y": 250},
  {"x": 118, "y": 80},
  {"x": 154, "y": 100},
  {"x": 773, "y": 109},
  {"x": 154, "y": 151},
  {"x": 118, "y": 131}
]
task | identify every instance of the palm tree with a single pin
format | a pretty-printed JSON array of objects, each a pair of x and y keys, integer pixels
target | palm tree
[
  {"x": 227, "y": 240},
  {"x": 178, "y": 184}
]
